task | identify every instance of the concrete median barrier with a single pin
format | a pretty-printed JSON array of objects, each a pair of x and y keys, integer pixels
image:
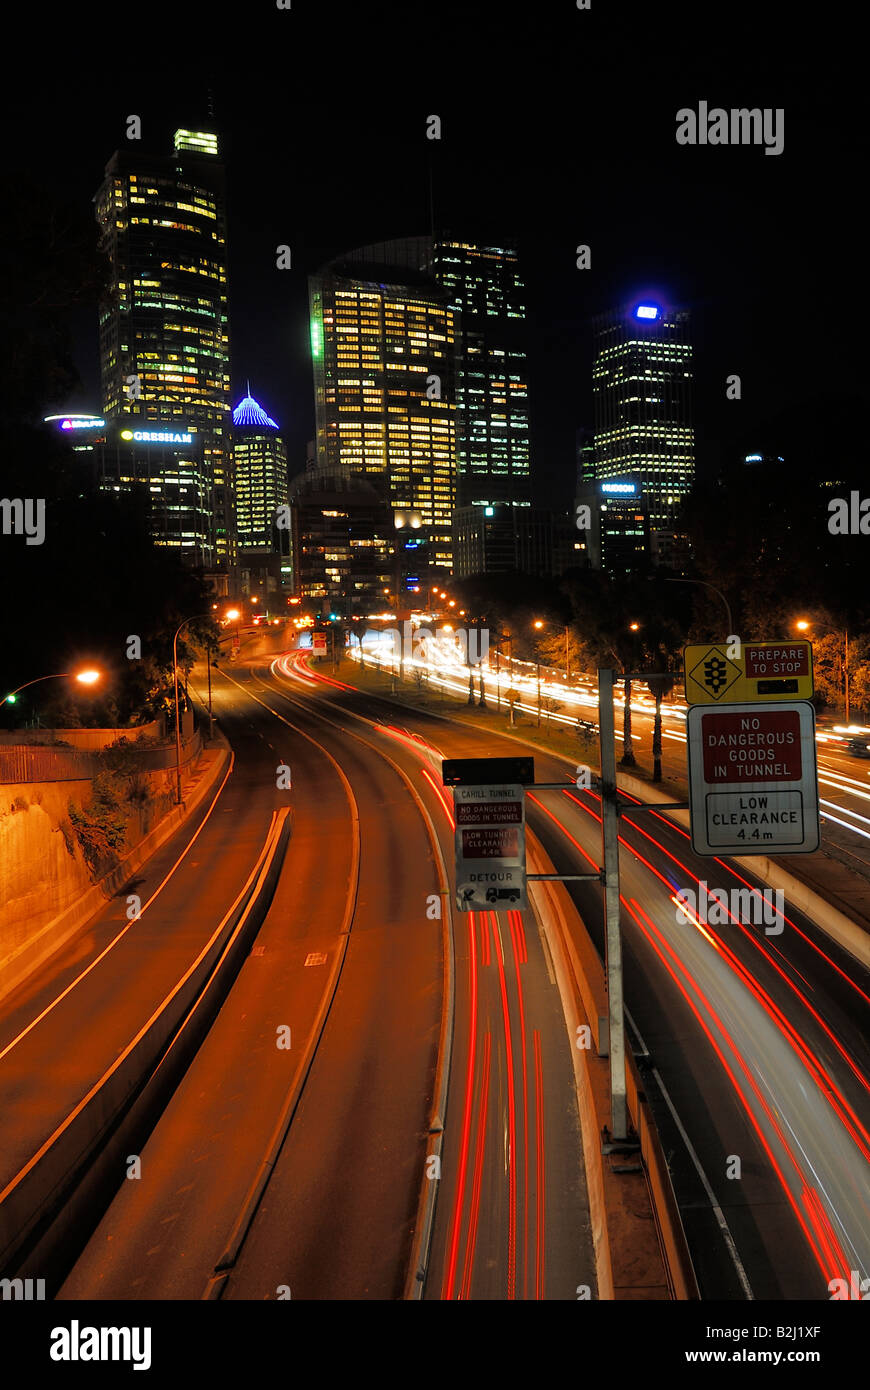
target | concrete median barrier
[{"x": 640, "y": 1245}]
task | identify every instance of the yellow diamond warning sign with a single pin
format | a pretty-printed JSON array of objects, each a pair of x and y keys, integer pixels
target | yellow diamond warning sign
[{"x": 758, "y": 672}]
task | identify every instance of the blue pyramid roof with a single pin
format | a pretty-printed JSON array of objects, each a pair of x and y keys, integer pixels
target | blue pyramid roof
[{"x": 250, "y": 412}]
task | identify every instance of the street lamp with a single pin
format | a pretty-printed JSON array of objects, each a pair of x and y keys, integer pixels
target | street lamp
[
  {"x": 803, "y": 625},
  {"x": 88, "y": 677},
  {"x": 704, "y": 585},
  {"x": 233, "y": 613}
]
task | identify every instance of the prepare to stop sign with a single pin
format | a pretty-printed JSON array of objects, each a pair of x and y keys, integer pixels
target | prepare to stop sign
[
  {"x": 753, "y": 787},
  {"x": 763, "y": 671}
]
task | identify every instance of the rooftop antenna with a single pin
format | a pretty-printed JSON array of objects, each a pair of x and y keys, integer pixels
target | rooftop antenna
[{"x": 249, "y": 386}]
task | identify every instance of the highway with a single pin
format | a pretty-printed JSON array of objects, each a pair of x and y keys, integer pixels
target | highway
[
  {"x": 757, "y": 1042},
  {"x": 844, "y": 780},
  {"x": 336, "y": 1218},
  {"x": 297, "y": 1171}
]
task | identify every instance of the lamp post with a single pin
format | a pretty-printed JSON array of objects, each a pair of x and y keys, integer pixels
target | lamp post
[
  {"x": 628, "y": 759},
  {"x": 208, "y": 668},
  {"x": 704, "y": 585},
  {"x": 192, "y": 619},
  {"x": 84, "y": 677},
  {"x": 538, "y": 624},
  {"x": 803, "y": 626}
]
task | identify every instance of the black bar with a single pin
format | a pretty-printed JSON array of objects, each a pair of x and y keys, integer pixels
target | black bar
[
  {"x": 789, "y": 687},
  {"x": 562, "y": 878},
  {"x": 477, "y": 772}
]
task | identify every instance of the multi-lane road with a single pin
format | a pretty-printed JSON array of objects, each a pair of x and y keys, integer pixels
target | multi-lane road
[{"x": 291, "y": 1158}]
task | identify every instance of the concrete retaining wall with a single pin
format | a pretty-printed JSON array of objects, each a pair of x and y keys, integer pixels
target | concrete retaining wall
[
  {"x": 87, "y": 739},
  {"x": 48, "y": 889}
]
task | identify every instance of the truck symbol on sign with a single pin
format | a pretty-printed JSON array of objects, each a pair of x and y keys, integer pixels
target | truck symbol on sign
[{"x": 494, "y": 895}]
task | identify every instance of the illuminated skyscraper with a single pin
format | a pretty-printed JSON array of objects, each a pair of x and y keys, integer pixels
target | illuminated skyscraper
[
  {"x": 260, "y": 458},
  {"x": 485, "y": 287},
  {"x": 492, "y": 394},
  {"x": 261, "y": 474},
  {"x": 164, "y": 334},
  {"x": 642, "y": 378},
  {"x": 383, "y": 344}
]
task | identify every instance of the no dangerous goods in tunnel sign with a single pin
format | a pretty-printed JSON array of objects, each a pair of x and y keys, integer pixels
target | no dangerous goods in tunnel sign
[
  {"x": 490, "y": 847},
  {"x": 753, "y": 786},
  {"x": 762, "y": 672}
]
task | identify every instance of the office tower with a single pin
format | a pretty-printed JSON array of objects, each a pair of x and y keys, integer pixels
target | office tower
[
  {"x": 492, "y": 394},
  {"x": 260, "y": 459},
  {"x": 617, "y": 539},
  {"x": 261, "y": 474},
  {"x": 499, "y": 538},
  {"x": 585, "y": 455},
  {"x": 343, "y": 541},
  {"x": 383, "y": 344},
  {"x": 485, "y": 287},
  {"x": 642, "y": 378},
  {"x": 164, "y": 334}
]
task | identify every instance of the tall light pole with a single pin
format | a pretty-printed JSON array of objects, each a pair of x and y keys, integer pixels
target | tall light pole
[
  {"x": 192, "y": 619},
  {"x": 84, "y": 678},
  {"x": 538, "y": 624},
  {"x": 704, "y": 585},
  {"x": 803, "y": 626}
]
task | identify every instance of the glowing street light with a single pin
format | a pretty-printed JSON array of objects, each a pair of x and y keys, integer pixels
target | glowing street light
[
  {"x": 88, "y": 677},
  {"x": 802, "y": 625}
]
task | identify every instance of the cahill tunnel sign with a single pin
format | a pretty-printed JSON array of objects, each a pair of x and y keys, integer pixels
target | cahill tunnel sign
[
  {"x": 490, "y": 847},
  {"x": 753, "y": 785}
]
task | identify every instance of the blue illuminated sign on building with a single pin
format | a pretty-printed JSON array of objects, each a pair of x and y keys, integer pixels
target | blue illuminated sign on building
[
  {"x": 628, "y": 488},
  {"x": 647, "y": 311}
]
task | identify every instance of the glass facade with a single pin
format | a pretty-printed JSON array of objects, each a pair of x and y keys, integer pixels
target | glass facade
[
  {"x": 376, "y": 347},
  {"x": 261, "y": 474},
  {"x": 484, "y": 285},
  {"x": 642, "y": 378},
  {"x": 163, "y": 226}
]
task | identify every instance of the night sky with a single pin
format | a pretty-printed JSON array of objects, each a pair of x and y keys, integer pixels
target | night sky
[{"x": 558, "y": 128}]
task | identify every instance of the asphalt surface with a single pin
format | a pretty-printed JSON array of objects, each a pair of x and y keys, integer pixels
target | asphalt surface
[
  {"x": 753, "y": 1045},
  {"x": 757, "y": 1043}
]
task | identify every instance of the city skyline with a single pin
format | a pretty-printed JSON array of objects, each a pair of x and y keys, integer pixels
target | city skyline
[
  {"x": 707, "y": 250},
  {"x": 435, "y": 708}
]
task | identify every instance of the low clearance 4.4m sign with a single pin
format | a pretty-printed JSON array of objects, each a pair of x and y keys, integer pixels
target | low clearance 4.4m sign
[{"x": 753, "y": 785}]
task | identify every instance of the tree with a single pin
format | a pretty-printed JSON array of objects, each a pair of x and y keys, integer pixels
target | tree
[
  {"x": 550, "y": 706},
  {"x": 659, "y": 686}
]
